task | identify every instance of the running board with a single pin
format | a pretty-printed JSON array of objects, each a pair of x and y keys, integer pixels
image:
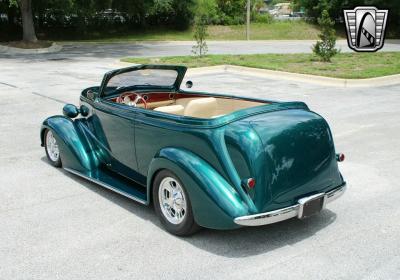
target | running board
[{"x": 122, "y": 186}]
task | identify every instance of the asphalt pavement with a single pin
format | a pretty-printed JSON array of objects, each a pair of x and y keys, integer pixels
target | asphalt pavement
[
  {"x": 176, "y": 48},
  {"x": 54, "y": 225}
]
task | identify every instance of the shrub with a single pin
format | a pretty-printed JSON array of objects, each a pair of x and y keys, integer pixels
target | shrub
[
  {"x": 231, "y": 12},
  {"x": 200, "y": 33},
  {"x": 263, "y": 18},
  {"x": 205, "y": 13},
  {"x": 325, "y": 48}
]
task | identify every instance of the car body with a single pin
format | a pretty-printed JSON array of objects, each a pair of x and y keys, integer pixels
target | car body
[{"x": 239, "y": 161}]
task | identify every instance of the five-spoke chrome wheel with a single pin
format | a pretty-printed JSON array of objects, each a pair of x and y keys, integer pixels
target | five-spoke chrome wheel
[
  {"x": 172, "y": 204},
  {"x": 52, "y": 149},
  {"x": 172, "y": 200},
  {"x": 52, "y": 146}
]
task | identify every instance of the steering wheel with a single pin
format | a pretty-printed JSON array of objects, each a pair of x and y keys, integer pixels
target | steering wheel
[{"x": 126, "y": 98}]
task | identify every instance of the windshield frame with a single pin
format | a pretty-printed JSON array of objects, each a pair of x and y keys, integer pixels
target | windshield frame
[{"x": 181, "y": 70}]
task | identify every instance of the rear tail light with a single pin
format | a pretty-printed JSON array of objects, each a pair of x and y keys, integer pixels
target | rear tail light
[
  {"x": 340, "y": 157},
  {"x": 250, "y": 183}
]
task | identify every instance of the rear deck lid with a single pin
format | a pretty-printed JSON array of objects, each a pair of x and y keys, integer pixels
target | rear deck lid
[{"x": 299, "y": 153}]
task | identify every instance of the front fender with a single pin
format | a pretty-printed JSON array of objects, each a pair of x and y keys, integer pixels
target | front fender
[
  {"x": 214, "y": 201},
  {"x": 75, "y": 148}
]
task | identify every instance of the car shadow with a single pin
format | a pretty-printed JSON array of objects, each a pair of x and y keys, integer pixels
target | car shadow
[
  {"x": 251, "y": 241},
  {"x": 242, "y": 242}
]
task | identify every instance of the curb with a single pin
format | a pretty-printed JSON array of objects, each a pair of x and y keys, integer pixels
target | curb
[
  {"x": 288, "y": 76},
  {"x": 11, "y": 50},
  {"x": 313, "y": 79}
]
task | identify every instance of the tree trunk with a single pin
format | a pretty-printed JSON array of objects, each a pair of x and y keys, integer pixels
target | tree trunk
[{"x": 28, "y": 27}]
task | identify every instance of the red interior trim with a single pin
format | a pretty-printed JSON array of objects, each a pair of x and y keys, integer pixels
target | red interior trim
[{"x": 164, "y": 96}]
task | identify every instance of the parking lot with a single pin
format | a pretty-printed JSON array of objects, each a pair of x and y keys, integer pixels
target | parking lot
[{"x": 54, "y": 225}]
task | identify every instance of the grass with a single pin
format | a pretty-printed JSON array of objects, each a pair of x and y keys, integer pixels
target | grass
[
  {"x": 344, "y": 65},
  {"x": 278, "y": 30}
]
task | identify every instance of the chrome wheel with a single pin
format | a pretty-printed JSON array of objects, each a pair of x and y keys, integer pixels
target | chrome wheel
[
  {"x": 52, "y": 147},
  {"x": 172, "y": 200}
]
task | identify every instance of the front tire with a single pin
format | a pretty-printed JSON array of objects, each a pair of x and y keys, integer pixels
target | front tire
[
  {"x": 52, "y": 149},
  {"x": 172, "y": 204}
]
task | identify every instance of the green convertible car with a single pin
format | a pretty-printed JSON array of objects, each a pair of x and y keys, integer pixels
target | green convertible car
[{"x": 203, "y": 160}]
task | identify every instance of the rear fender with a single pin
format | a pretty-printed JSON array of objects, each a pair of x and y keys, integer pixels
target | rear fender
[
  {"x": 215, "y": 202},
  {"x": 76, "y": 151}
]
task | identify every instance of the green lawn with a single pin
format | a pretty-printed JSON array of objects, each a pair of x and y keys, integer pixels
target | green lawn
[
  {"x": 278, "y": 30},
  {"x": 344, "y": 65}
]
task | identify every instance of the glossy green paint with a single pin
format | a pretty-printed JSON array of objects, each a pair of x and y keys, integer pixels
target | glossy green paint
[
  {"x": 285, "y": 147},
  {"x": 299, "y": 155},
  {"x": 213, "y": 199},
  {"x": 70, "y": 111},
  {"x": 77, "y": 151}
]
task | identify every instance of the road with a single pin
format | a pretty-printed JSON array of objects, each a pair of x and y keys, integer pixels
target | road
[
  {"x": 117, "y": 50},
  {"x": 54, "y": 225}
]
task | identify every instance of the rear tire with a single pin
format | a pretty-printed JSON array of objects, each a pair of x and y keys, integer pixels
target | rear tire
[
  {"x": 172, "y": 204},
  {"x": 52, "y": 149}
]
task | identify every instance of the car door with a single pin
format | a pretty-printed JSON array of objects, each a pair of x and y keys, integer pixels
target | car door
[
  {"x": 115, "y": 129},
  {"x": 115, "y": 123}
]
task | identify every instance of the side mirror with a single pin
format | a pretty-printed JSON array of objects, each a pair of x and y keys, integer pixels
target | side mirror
[
  {"x": 92, "y": 95},
  {"x": 189, "y": 84},
  {"x": 70, "y": 111}
]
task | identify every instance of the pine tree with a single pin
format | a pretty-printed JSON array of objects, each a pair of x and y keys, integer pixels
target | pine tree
[{"x": 325, "y": 48}]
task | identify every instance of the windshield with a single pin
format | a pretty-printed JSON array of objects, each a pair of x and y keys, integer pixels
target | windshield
[{"x": 143, "y": 77}]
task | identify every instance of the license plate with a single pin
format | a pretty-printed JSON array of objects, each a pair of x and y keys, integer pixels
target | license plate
[{"x": 311, "y": 205}]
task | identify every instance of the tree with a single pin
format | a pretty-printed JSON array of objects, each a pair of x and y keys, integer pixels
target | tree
[
  {"x": 28, "y": 26},
  {"x": 206, "y": 10},
  {"x": 183, "y": 16},
  {"x": 200, "y": 33},
  {"x": 314, "y": 8},
  {"x": 231, "y": 11},
  {"x": 325, "y": 48}
]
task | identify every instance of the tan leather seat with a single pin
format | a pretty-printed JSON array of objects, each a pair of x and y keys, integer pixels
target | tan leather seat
[
  {"x": 171, "y": 109},
  {"x": 201, "y": 108}
]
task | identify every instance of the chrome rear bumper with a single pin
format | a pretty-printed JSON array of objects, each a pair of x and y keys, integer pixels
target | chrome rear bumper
[{"x": 288, "y": 212}]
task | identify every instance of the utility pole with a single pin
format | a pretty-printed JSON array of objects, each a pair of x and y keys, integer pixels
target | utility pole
[{"x": 248, "y": 21}]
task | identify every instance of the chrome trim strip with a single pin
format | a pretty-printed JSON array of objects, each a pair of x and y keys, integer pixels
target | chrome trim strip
[
  {"x": 288, "y": 212},
  {"x": 107, "y": 186},
  {"x": 335, "y": 194}
]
